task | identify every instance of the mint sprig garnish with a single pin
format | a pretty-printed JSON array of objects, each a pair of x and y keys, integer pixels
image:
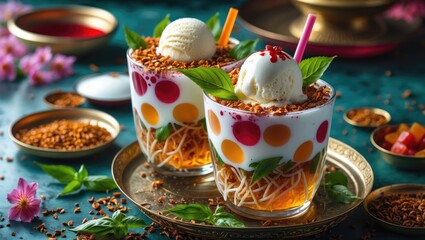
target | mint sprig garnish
[
  {"x": 201, "y": 213},
  {"x": 159, "y": 28},
  {"x": 117, "y": 225},
  {"x": 313, "y": 68},
  {"x": 75, "y": 180},
  {"x": 214, "y": 81},
  {"x": 133, "y": 39},
  {"x": 214, "y": 25},
  {"x": 336, "y": 188},
  {"x": 243, "y": 49},
  {"x": 264, "y": 167}
]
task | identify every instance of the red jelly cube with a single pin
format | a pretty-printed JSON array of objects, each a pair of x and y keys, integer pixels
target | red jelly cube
[
  {"x": 411, "y": 151},
  {"x": 386, "y": 145},
  {"x": 399, "y": 148},
  {"x": 421, "y": 144},
  {"x": 407, "y": 138}
]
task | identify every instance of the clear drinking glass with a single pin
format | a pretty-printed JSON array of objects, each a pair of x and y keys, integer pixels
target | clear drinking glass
[
  {"x": 285, "y": 154},
  {"x": 169, "y": 118}
]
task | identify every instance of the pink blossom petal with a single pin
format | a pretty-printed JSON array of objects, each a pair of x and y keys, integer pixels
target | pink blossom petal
[
  {"x": 31, "y": 189},
  {"x": 14, "y": 213},
  {"x": 14, "y": 196},
  {"x": 29, "y": 212}
]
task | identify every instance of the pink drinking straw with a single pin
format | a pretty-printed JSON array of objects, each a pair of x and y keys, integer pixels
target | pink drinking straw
[{"x": 308, "y": 27}]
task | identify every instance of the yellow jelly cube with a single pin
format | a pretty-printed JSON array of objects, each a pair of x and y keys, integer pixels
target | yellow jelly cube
[
  {"x": 391, "y": 137},
  {"x": 417, "y": 130}
]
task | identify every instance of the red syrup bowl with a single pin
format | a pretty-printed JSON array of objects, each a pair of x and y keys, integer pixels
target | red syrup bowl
[{"x": 73, "y": 30}]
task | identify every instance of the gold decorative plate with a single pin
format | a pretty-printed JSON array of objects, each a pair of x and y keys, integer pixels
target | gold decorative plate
[
  {"x": 135, "y": 179},
  {"x": 90, "y": 116}
]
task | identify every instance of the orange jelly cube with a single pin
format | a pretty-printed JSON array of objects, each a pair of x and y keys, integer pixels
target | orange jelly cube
[
  {"x": 420, "y": 153},
  {"x": 392, "y": 137},
  {"x": 417, "y": 130}
]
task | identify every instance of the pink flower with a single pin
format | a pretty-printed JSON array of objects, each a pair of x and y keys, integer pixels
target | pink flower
[
  {"x": 27, "y": 205},
  {"x": 7, "y": 68},
  {"x": 39, "y": 77},
  {"x": 42, "y": 55},
  {"x": 407, "y": 10},
  {"x": 62, "y": 65},
  {"x": 12, "y": 8},
  {"x": 11, "y": 45}
]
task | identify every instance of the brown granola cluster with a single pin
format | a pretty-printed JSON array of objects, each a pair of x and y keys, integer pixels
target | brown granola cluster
[
  {"x": 316, "y": 96},
  {"x": 148, "y": 58}
]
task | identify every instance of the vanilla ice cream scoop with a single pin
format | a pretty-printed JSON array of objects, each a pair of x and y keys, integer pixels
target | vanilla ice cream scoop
[
  {"x": 270, "y": 76},
  {"x": 186, "y": 40}
]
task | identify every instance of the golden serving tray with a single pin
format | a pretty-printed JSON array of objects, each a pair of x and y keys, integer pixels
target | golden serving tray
[
  {"x": 281, "y": 23},
  {"x": 129, "y": 164}
]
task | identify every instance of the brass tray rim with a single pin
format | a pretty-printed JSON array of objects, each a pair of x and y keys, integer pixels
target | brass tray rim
[{"x": 154, "y": 216}]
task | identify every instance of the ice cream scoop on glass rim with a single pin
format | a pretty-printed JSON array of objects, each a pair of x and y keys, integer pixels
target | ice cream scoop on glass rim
[{"x": 167, "y": 106}]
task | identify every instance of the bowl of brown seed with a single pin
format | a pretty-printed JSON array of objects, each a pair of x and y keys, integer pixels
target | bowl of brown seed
[
  {"x": 64, "y": 133},
  {"x": 398, "y": 207},
  {"x": 59, "y": 99},
  {"x": 367, "y": 117}
]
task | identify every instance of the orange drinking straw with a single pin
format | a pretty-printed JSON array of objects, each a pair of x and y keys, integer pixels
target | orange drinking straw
[{"x": 228, "y": 27}]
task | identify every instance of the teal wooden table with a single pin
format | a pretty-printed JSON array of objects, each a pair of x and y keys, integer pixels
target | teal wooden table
[{"x": 360, "y": 82}]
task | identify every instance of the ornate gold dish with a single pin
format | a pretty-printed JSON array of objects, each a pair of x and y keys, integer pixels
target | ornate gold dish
[
  {"x": 350, "y": 28},
  {"x": 93, "y": 117},
  {"x": 135, "y": 179}
]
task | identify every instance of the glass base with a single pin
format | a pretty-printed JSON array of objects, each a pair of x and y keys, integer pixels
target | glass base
[
  {"x": 269, "y": 215},
  {"x": 200, "y": 171}
]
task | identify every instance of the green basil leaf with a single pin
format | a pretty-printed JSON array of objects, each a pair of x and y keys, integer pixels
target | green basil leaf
[
  {"x": 133, "y": 39},
  {"x": 315, "y": 162},
  {"x": 243, "y": 49},
  {"x": 214, "y": 81},
  {"x": 62, "y": 173},
  {"x": 193, "y": 211},
  {"x": 340, "y": 193},
  {"x": 214, "y": 25},
  {"x": 288, "y": 165},
  {"x": 162, "y": 133},
  {"x": 264, "y": 168},
  {"x": 100, "y": 227},
  {"x": 118, "y": 216},
  {"x": 71, "y": 187},
  {"x": 133, "y": 222},
  {"x": 120, "y": 231},
  {"x": 99, "y": 183},
  {"x": 218, "y": 158},
  {"x": 335, "y": 178},
  {"x": 225, "y": 219},
  {"x": 204, "y": 123},
  {"x": 159, "y": 28},
  {"x": 313, "y": 68},
  {"x": 82, "y": 173}
]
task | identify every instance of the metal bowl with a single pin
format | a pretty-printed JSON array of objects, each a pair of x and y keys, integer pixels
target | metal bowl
[
  {"x": 397, "y": 189},
  {"x": 406, "y": 162},
  {"x": 22, "y": 27},
  {"x": 59, "y": 99},
  {"x": 367, "y": 112},
  {"x": 93, "y": 117}
]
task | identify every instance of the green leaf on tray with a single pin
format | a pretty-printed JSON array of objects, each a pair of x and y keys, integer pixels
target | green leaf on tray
[
  {"x": 71, "y": 187},
  {"x": 117, "y": 226},
  {"x": 193, "y": 211},
  {"x": 215, "y": 26},
  {"x": 159, "y": 28},
  {"x": 264, "y": 167},
  {"x": 225, "y": 219},
  {"x": 214, "y": 81},
  {"x": 82, "y": 173},
  {"x": 162, "y": 133},
  {"x": 313, "y": 68},
  {"x": 336, "y": 187},
  {"x": 201, "y": 213},
  {"x": 133, "y": 39},
  {"x": 62, "y": 173},
  {"x": 243, "y": 49}
]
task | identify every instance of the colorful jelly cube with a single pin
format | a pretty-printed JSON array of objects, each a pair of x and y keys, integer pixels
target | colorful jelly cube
[
  {"x": 407, "y": 138},
  {"x": 417, "y": 130},
  {"x": 420, "y": 153},
  {"x": 392, "y": 137},
  {"x": 399, "y": 148}
]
